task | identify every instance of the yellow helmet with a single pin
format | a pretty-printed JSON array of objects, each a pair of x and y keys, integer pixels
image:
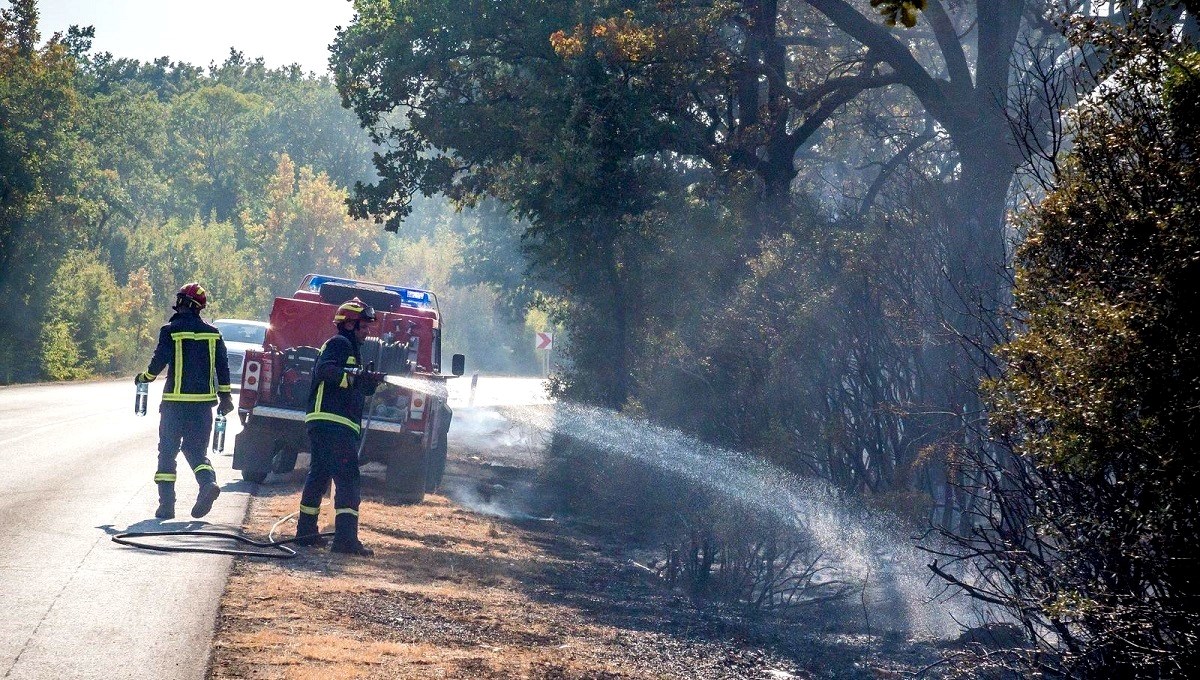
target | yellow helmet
[{"x": 354, "y": 310}]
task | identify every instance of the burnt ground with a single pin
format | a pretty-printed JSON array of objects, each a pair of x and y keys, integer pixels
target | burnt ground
[
  {"x": 454, "y": 593},
  {"x": 458, "y": 593}
]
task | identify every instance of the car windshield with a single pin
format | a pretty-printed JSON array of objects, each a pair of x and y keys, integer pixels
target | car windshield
[{"x": 233, "y": 331}]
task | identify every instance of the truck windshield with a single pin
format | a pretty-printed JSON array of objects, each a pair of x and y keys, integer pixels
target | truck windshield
[{"x": 242, "y": 331}]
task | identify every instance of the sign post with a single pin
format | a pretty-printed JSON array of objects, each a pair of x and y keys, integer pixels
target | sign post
[{"x": 544, "y": 340}]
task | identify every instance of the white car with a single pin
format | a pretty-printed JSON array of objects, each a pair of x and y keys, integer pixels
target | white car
[{"x": 240, "y": 335}]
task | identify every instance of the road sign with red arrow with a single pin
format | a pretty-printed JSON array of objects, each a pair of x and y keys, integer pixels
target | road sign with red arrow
[{"x": 542, "y": 340}]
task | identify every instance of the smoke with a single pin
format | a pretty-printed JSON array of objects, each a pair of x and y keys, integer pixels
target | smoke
[{"x": 485, "y": 433}]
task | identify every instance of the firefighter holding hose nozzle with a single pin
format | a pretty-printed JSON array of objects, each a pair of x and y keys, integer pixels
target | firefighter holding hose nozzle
[
  {"x": 193, "y": 353},
  {"x": 339, "y": 388}
]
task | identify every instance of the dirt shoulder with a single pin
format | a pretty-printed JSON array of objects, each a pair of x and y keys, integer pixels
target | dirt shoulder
[{"x": 453, "y": 593}]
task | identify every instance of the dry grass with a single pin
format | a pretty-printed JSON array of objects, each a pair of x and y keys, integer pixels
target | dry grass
[
  {"x": 444, "y": 597},
  {"x": 455, "y": 594}
]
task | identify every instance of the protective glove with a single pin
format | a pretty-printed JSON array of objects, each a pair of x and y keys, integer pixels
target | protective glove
[
  {"x": 226, "y": 404},
  {"x": 139, "y": 379},
  {"x": 369, "y": 382}
]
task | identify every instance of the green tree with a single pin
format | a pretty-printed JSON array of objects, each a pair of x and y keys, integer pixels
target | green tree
[
  {"x": 44, "y": 173},
  {"x": 78, "y": 337},
  {"x": 490, "y": 110},
  {"x": 168, "y": 254},
  {"x": 128, "y": 132},
  {"x": 306, "y": 230},
  {"x": 306, "y": 120},
  {"x": 137, "y": 321},
  {"x": 210, "y": 130},
  {"x": 162, "y": 77}
]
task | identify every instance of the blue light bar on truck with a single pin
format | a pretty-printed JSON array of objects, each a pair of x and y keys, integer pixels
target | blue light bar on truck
[{"x": 412, "y": 297}]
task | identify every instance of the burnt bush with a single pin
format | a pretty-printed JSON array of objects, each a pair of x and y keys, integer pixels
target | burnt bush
[
  {"x": 733, "y": 556},
  {"x": 714, "y": 547}
]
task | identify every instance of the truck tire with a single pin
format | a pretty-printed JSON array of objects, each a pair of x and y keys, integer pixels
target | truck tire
[
  {"x": 404, "y": 480},
  {"x": 435, "y": 467},
  {"x": 283, "y": 460},
  {"x": 252, "y": 451},
  {"x": 258, "y": 475},
  {"x": 436, "y": 464}
]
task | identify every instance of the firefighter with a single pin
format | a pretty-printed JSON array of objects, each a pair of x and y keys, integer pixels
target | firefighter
[
  {"x": 193, "y": 353},
  {"x": 335, "y": 406}
]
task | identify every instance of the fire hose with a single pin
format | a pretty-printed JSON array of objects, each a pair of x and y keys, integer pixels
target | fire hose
[{"x": 278, "y": 549}]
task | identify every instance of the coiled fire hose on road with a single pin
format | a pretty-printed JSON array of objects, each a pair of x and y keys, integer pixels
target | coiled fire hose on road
[{"x": 279, "y": 549}]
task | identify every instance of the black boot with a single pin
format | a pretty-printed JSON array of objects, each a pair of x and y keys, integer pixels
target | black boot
[
  {"x": 345, "y": 537},
  {"x": 307, "y": 532},
  {"x": 204, "y": 500},
  {"x": 166, "y": 501}
]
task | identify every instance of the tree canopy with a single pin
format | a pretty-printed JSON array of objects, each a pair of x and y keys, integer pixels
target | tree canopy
[{"x": 120, "y": 180}]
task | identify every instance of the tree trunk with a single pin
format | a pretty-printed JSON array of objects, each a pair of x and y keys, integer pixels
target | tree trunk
[
  {"x": 618, "y": 371},
  {"x": 976, "y": 252},
  {"x": 975, "y": 293}
]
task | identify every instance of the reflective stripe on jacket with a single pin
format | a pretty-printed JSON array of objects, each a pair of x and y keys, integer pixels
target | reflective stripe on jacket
[
  {"x": 194, "y": 355},
  {"x": 335, "y": 396}
]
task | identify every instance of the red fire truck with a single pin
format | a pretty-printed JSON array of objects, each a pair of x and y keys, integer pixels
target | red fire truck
[{"x": 404, "y": 425}]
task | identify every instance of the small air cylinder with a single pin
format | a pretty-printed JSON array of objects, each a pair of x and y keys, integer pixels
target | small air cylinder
[{"x": 218, "y": 438}]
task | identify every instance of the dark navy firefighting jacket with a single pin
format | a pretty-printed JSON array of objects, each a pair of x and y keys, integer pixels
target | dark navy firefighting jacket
[
  {"x": 194, "y": 355},
  {"x": 335, "y": 396}
]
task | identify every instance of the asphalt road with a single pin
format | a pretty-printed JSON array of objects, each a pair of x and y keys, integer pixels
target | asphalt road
[{"x": 76, "y": 466}]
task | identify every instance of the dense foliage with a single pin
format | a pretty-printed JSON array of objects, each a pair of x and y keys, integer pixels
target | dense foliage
[
  {"x": 689, "y": 180},
  {"x": 1092, "y": 527},
  {"x": 42, "y": 160},
  {"x": 121, "y": 180}
]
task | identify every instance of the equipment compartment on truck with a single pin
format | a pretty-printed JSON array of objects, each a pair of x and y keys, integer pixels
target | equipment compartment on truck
[{"x": 404, "y": 427}]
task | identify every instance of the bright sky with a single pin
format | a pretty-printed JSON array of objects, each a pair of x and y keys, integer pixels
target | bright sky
[{"x": 202, "y": 31}]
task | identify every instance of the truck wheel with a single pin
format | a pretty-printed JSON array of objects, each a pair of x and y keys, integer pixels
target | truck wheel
[
  {"x": 256, "y": 474},
  {"x": 283, "y": 460},
  {"x": 252, "y": 453},
  {"x": 435, "y": 467},
  {"x": 405, "y": 477}
]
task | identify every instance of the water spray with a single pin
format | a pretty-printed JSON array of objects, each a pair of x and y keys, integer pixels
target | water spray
[
  {"x": 427, "y": 387},
  {"x": 868, "y": 548}
]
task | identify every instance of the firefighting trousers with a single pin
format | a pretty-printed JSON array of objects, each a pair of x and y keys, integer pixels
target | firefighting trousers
[
  {"x": 183, "y": 426},
  {"x": 334, "y": 457}
]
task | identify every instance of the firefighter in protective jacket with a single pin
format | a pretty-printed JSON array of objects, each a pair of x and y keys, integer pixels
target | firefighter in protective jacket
[
  {"x": 193, "y": 353},
  {"x": 335, "y": 407}
]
